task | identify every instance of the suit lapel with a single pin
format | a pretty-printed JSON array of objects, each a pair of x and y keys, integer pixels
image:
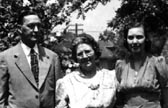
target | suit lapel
[
  {"x": 44, "y": 64},
  {"x": 22, "y": 64}
]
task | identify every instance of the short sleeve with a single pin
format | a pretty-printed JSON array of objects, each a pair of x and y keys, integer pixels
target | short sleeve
[
  {"x": 110, "y": 80},
  {"x": 162, "y": 71},
  {"x": 61, "y": 95}
]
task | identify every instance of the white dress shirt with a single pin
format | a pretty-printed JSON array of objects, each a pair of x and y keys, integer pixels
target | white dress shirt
[{"x": 27, "y": 49}]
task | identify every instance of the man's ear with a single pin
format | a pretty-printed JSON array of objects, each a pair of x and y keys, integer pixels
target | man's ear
[{"x": 19, "y": 29}]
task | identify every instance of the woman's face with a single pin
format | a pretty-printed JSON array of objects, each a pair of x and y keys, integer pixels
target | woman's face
[
  {"x": 85, "y": 56},
  {"x": 136, "y": 39}
]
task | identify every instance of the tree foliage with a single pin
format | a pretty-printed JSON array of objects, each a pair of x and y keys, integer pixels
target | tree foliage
[
  {"x": 52, "y": 13},
  {"x": 155, "y": 11}
]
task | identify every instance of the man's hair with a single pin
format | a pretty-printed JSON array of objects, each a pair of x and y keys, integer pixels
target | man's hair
[{"x": 25, "y": 12}]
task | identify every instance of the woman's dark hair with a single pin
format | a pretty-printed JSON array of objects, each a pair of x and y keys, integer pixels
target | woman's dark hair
[
  {"x": 88, "y": 39},
  {"x": 137, "y": 24}
]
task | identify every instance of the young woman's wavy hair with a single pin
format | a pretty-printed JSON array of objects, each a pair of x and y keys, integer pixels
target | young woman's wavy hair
[
  {"x": 87, "y": 39},
  {"x": 137, "y": 24}
]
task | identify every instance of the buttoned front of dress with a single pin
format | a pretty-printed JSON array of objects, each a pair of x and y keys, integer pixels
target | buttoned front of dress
[
  {"x": 96, "y": 92},
  {"x": 141, "y": 89}
]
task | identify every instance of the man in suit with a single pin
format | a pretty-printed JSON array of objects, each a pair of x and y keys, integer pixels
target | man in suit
[{"x": 20, "y": 85}]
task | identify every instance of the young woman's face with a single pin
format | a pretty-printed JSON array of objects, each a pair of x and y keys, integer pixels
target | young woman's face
[
  {"x": 136, "y": 39},
  {"x": 85, "y": 56}
]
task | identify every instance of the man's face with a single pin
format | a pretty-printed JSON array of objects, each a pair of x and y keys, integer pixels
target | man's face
[{"x": 31, "y": 28}]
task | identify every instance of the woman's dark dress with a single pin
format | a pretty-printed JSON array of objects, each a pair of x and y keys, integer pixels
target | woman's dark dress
[{"x": 141, "y": 89}]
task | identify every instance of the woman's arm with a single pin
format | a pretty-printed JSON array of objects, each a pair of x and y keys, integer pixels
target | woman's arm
[
  {"x": 61, "y": 95},
  {"x": 165, "y": 97},
  {"x": 162, "y": 69},
  {"x": 3, "y": 81}
]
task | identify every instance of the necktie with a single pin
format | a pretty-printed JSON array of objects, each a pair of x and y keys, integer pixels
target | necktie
[{"x": 34, "y": 65}]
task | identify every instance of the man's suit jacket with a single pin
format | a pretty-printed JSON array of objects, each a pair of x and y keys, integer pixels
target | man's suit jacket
[{"x": 18, "y": 88}]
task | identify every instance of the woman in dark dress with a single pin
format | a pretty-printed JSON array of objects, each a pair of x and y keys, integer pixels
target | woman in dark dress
[{"x": 143, "y": 78}]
